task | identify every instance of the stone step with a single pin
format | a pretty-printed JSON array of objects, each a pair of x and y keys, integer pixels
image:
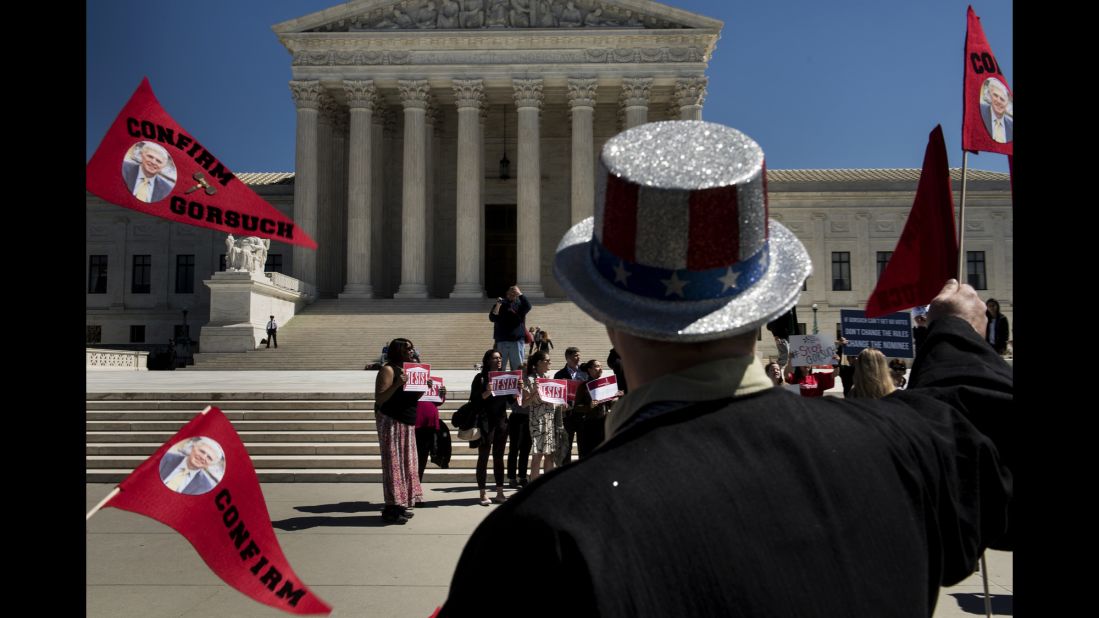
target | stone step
[
  {"x": 145, "y": 449},
  {"x": 246, "y": 436},
  {"x": 186, "y": 401},
  {"x": 432, "y": 474},
  {"x": 264, "y": 462},
  {"x": 240, "y": 425}
]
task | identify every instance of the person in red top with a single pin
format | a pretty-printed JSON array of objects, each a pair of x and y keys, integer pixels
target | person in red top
[{"x": 812, "y": 384}]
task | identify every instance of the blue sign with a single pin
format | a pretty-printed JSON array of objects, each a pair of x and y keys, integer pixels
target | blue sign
[{"x": 891, "y": 334}]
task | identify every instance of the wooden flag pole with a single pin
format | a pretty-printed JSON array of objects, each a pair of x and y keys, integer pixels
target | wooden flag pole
[
  {"x": 96, "y": 508},
  {"x": 961, "y": 220}
]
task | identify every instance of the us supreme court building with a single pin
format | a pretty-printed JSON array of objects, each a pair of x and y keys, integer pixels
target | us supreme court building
[{"x": 443, "y": 147}]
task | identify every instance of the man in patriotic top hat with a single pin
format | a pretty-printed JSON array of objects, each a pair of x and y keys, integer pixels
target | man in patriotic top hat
[{"x": 715, "y": 494}]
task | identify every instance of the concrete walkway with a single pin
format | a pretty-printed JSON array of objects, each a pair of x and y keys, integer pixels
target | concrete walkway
[
  {"x": 334, "y": 539},
  {"x": 332, "y": 534}
]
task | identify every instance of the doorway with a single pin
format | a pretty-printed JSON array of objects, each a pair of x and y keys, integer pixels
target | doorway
[{"x": 501, "y": 236}]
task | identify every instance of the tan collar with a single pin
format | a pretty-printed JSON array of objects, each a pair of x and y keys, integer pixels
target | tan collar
[{"x": 726, "y": 377}]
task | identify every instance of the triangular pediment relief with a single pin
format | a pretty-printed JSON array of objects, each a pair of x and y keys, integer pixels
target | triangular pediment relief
[{"x": 443, "y": 15}]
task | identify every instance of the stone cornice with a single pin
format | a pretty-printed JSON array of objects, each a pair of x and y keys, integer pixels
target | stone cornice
[
  {"x": 589, "y": 55},
  {"x": 528, "y": 92},
  {"x": 495, "y": 41},
  {"x": 306, "y": 94},
  {"x": 414, "y": 93},
  {"x": 360, "y": 93}
]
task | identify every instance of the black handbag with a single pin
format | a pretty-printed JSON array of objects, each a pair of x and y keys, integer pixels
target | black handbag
[{"x": 464, "y": 417}]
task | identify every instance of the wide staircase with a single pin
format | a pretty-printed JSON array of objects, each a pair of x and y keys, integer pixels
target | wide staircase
[
  {"x": 319, "y": 440},
  {"x": 335, "y": 334}
]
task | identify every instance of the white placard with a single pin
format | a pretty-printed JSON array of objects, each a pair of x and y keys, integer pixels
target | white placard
[
  {"x": 806, "y": 350},
  {"x": 417, "y": 374}
]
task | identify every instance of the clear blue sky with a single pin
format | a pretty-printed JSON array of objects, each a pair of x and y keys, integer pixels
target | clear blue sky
[{"x": 818, "y": 84}]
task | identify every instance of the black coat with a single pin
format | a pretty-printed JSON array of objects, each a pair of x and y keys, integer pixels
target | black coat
[
  {"x": 508, "y": 324},
  {"x": 771, "y": 504}
]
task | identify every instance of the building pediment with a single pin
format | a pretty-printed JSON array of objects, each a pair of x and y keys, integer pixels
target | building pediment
[{"x": 444, "y": 15}]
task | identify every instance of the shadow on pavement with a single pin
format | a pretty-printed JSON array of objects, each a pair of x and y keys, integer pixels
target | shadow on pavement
[
  {"x": 339, "y": 507},
  {"x": 974, "y": 603},
  {"x": 304, "y": 523}
]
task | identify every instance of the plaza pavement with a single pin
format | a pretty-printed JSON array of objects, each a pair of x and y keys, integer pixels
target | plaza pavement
[{"x": 331, "y": 533}]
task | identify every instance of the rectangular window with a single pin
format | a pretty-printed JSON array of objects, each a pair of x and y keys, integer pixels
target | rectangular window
[
  {"x": 94, "y": 333},
  {"x": 975, "y": 269},
  {"x": 841, "y": 270},
  {"x": 185, "y": 274},
  {"x": 221, "y": 263},
  {"x": 883, "y": 259},
  {"x": 137, "y": 333},
  {"x": 97, "y": 274},
  {"x": 801, "y": 328},
  {"x": 143, "y": 267},
  {"x": 274, "y": 263},
  {"x": 805, "y": 285}
]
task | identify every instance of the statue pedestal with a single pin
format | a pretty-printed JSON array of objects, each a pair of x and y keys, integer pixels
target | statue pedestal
[{"x": 241, "y": 303}]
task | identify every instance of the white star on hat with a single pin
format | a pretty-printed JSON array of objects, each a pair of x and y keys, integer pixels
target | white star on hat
[
  {"x": 621, "y": 274},
  {"x": 674, "y": 285},
  {"x": 729, "y": 279}
]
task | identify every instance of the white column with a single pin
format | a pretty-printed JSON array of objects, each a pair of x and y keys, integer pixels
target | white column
[
  {"x": 469, "y": 96},
  {"x": 863, "y": 258},
  {"x": 582, "y": 107},
  {"x": 325, "y": 196},
  {"x": 361, "y": 99},
  {"x": 482, "y": 120},
  {"x": 821, "y": 279},
  {"x": 528, "y": 100},
  {"x": 689, "y": 94},
  {"x": 414, "y": 95},
  {"x": 338, "y": 213},
  {"x": 307, "y": 99},
  {"x": 635, "y": 100},
  {"x": 431, "y": 130},
  {"x": 378, "y": 264}
]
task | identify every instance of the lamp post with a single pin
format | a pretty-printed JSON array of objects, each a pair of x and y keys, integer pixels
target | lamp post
[{"x": 815, "y": 329}]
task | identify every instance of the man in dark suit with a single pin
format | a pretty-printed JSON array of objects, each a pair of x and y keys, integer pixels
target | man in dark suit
[
  {"x": 716, "y": 494},
  {"x": 187, "y": 472},
  {"x": 994, "y": 113},
  {"x": 145, "y": 180}
]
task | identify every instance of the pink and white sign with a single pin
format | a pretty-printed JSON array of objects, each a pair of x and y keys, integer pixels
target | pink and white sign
[
  {"x": 418, "y": 375},
  {"x": 504, "y": 382},
  {"x": 432, "y": 393},
  {"x": 572, "y": 386},
  {"x": 603, "y": 389},
  {"x": 552, "y": 391}
]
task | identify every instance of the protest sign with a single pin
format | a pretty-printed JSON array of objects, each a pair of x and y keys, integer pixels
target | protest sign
[
  {"x": 572, "y": 385},
  {"x": 418, "y": 374},
  {"x": 552, "y": 391},
  {"x": 432, "y": 392},
  {"x": 807, "y": 350},
  {"x": 892, "y": 334},
  {"x": 603, "y": 389},
  {"x": 504, "y": 382}
]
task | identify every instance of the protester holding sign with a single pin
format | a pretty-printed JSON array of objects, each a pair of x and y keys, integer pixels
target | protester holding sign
[
  {"x": 590, "y": 417},
  {"x": 545, "y": 418},
  {"x": 427, "y": 423},
  {"x": 395, "y": 413},
  {"x": 492, "y": 413}
]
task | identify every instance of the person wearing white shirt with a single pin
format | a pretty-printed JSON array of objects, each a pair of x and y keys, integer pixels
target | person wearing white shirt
[
  {"x": 188, "y": 471},
  {"x": 272, "y": 333}
]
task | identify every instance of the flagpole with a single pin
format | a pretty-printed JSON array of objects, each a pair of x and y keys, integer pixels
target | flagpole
[
  {"x": 961, "y": 219},
  {"x": 96, "y": 508}
]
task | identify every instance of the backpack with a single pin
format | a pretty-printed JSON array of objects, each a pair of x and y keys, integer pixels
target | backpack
[{"x": 440, "y": 447}]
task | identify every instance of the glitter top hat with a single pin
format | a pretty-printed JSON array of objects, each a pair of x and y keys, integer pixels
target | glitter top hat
[{"x": 680, "y": 248}]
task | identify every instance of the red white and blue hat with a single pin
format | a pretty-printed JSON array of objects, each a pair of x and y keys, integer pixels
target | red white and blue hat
[{"x": 681, "y": 247}]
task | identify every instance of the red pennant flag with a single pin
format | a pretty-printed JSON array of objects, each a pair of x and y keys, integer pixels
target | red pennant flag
[
  {"x": 987, "y": 111},
  {"x": 927, "y": 253},
  {"x": 202, "y": 484},
  {"x": 148, "y": 163}
]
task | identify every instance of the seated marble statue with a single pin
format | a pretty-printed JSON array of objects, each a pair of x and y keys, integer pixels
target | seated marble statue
[
  {"x": 246, "y": 254},
  {"x": 571, "y": 17}
]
